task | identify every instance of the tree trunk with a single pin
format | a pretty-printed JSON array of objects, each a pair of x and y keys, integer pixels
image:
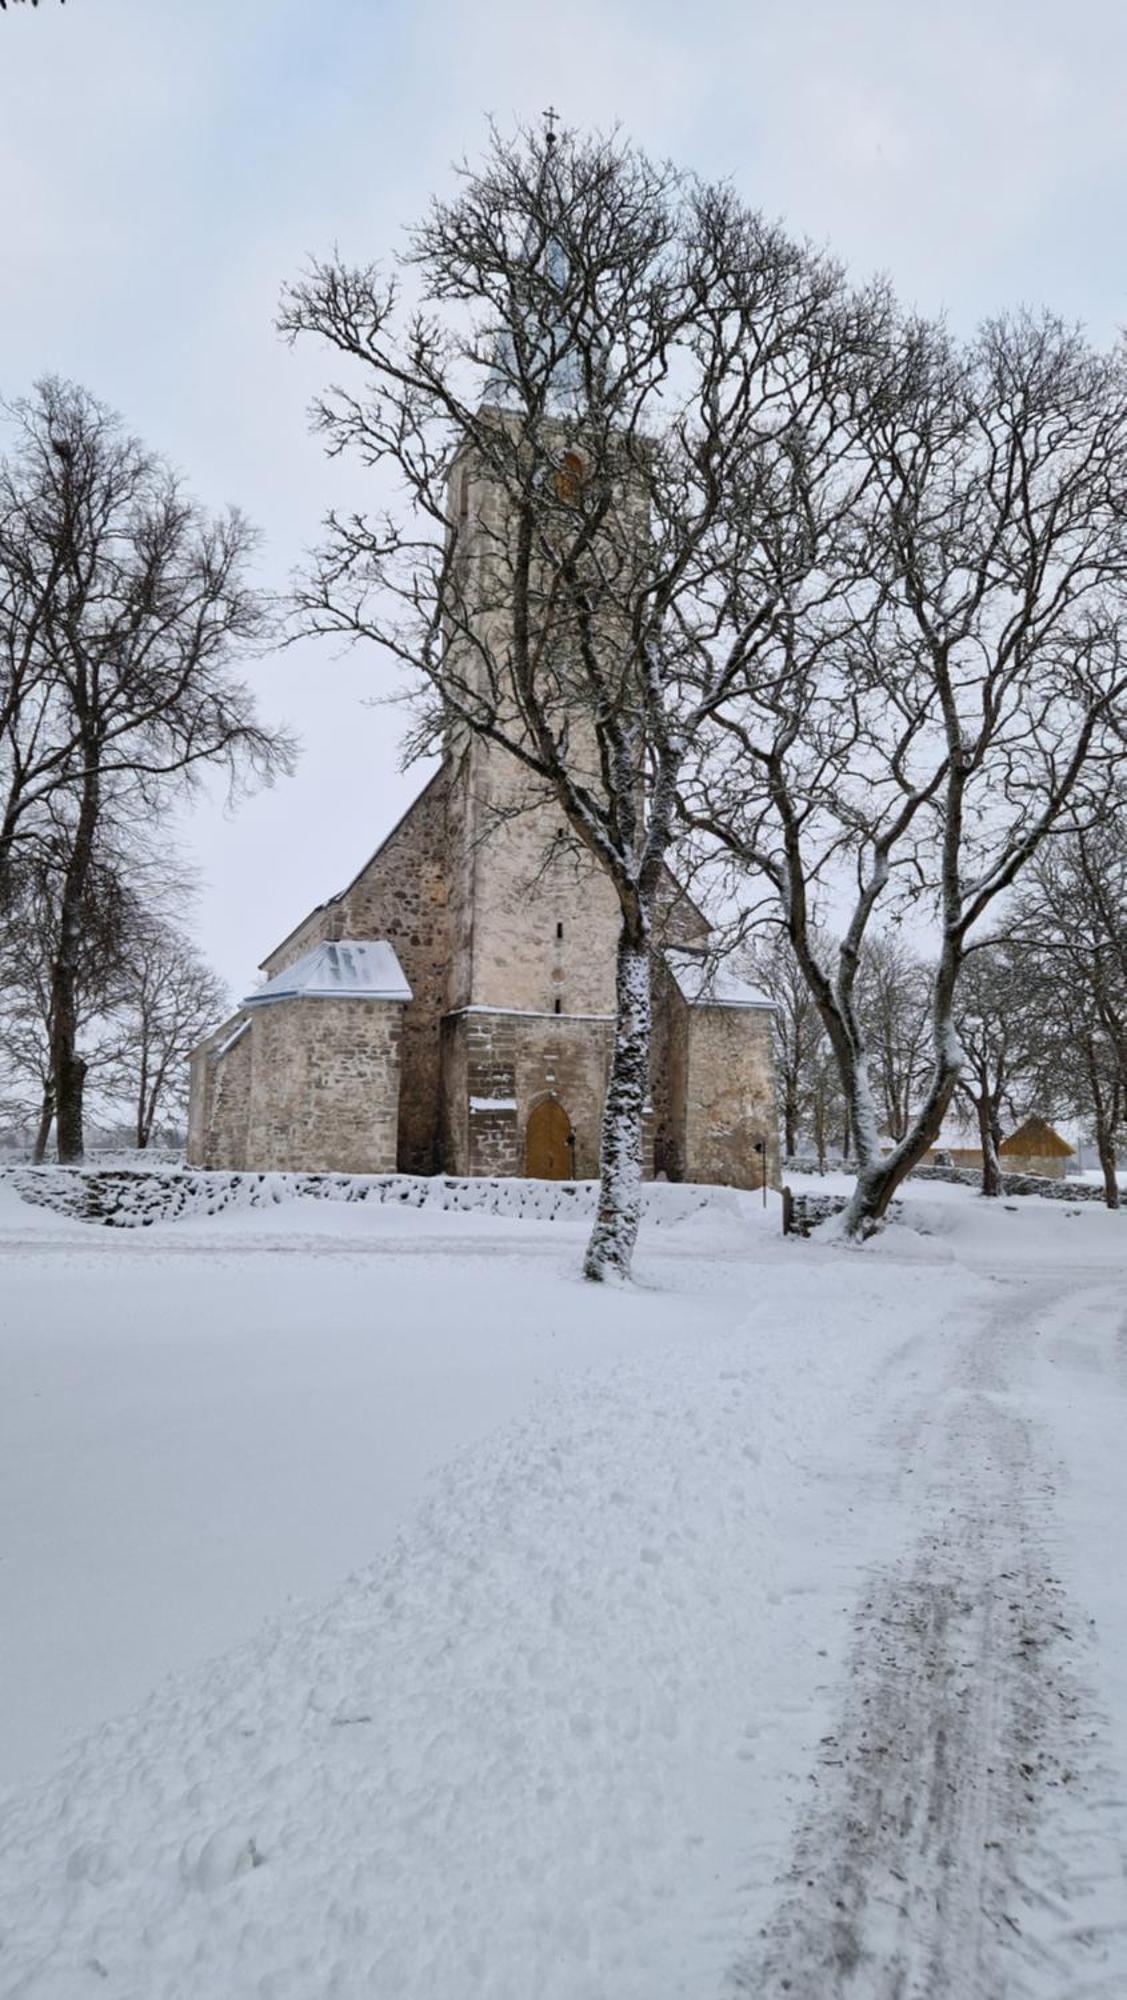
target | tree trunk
[
  {"x": 67, "y": 1066},
  {"x": 141, "y": 1131},
  {"x": 611, "y": 1248},
  {"x": 1106, "y": 1149},
  {"x": 43, "y": 1131},
  {"x": 878, "y": 1178},
  {"x": 991, "y": 1173},
  {"x": 790, "y": 1125}
]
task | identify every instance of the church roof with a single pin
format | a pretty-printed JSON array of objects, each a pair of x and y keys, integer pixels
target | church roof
[
  {"x": 436, "y": 778},
  {"x": 703, "y": 983},
  {"x": 352, "y": 969}
]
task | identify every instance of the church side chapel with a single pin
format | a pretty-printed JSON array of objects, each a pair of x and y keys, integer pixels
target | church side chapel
[{"x": 452, "y": 1009}]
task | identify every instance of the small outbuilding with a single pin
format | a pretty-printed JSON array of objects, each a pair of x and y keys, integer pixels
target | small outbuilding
[{"x": 1035, "y": 1148}]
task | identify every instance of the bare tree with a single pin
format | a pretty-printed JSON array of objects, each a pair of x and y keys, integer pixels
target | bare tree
[
  {"x": 944, "y": 683},
  {"x": 167, "y": 999},
  {"x": 999, "y": 1020},
  {"x": 602, "y": 347},
  {"x": 1070, "y": 941},
  {"x": 799, "y": 1042},
  {"x": 892, "y": 1005},
  {"x": 29, "y": 944},
  {"x": 123, "y": 609}
]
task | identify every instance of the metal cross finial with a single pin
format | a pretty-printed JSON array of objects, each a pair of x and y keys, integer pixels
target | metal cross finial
[{"x": 551, "y": 116}]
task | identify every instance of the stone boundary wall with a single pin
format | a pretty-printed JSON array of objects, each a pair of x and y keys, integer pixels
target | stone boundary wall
[
  {"x": 1049, "y": 1190},
  {"x": 137, "y": 1198}
]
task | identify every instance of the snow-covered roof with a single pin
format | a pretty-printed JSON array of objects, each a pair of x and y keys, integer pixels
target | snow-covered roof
[
  {"x": 353, "y": 969},
  {"x": 703, "y": 983},
  {"x": 229, "y": 1041}
]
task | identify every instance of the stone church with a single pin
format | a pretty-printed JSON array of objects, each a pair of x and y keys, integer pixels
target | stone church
[{"x": 451, "y": 1010}]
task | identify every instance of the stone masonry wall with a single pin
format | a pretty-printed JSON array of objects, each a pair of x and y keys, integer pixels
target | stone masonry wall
[
  {"x": 400, "y": 895},
  {"x": 219, "y": 1103},
  {"x": 542, "y": 919},
  {"x": 1048, "y": 1167},
  {"x": 668, "y": 1069},
  {"x": 505, "y": 1064},
  {"x": 325, "y": 1086},
  {"x": 525, "y": 876},
  {"x": 229, "y": 1121},
  {"x": 730, "y": 1096}
]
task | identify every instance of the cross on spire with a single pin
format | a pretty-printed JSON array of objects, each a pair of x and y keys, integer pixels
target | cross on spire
[{"x": 551, "y": 118}]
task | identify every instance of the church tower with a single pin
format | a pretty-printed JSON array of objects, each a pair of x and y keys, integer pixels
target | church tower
[
  {"x": 452, "y": 1009},
  {"x": 533, "y": 926}
]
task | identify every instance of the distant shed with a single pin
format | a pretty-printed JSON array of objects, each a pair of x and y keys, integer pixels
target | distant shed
[{"x": 1035, "y": 1148}]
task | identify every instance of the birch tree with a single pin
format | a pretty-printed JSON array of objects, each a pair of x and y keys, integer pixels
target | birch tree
[
  {"x": 942, "y": 686},
  {"x": 602, "y": 341}
]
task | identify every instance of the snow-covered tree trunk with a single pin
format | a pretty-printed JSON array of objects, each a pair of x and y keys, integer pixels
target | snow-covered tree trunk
[
  {"x": 1108, "y": 1167},
  {"x": 991, "y": 1172},
  {"x": 619, "y": 1213},
  {"x": 1105, "y": 1110},
  {"x": 879, "y": 1177}
]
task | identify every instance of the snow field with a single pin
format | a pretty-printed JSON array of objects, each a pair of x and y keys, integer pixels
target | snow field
[
  {"x": 203, "y": 1419},
  {"x": 566, "y": 1733}
]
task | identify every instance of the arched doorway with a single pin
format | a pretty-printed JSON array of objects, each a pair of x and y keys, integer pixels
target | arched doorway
[{"x": 547, "y": 1155}]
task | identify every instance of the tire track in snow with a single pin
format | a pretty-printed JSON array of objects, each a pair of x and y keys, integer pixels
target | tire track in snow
[{"x": 959, "y": 1847}]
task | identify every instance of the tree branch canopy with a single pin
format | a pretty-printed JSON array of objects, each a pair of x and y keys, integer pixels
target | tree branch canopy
[{"x": 575, "y": 362}]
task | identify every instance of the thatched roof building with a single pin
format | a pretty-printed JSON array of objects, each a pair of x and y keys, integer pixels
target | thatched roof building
[
  {"x": 1035, "y": 1149},
  {"x": 1037, "y": 1139}
]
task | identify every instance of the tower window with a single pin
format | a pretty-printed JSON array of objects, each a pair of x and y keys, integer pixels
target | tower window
[
  {"x": 556, "y": 1003},
  {"x": 559, "y": 931}
]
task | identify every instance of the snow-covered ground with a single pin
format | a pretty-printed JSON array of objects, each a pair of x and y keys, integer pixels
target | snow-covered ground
[{"x": 758, "y": 1628}]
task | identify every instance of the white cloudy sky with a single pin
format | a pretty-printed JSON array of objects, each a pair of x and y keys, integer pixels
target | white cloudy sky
[{"x": 166, "y": 164}]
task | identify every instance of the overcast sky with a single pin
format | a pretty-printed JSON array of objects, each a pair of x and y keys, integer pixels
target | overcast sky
[{"x": 166, "y": 164}]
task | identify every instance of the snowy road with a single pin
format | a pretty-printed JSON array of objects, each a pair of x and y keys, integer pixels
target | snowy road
[
  {"x": 969, "y": 1835},
  {"x": 778, "y": 1648}
]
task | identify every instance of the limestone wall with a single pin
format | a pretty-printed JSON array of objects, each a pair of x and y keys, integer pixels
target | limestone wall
[
  {"x": 219, "y": 1100},
  {"x": 534, "y": 919},
  {"x": 324, "y": 1088},
  {"x": 400, "y": 895},
  {"x": 668, "y": 1072},
  {"x": 729, "y": 1096},
  {"x": 501, "y": 1065},
  {"x": 1047, "y": 1167},
  {"x": 537, "y": 919}
]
